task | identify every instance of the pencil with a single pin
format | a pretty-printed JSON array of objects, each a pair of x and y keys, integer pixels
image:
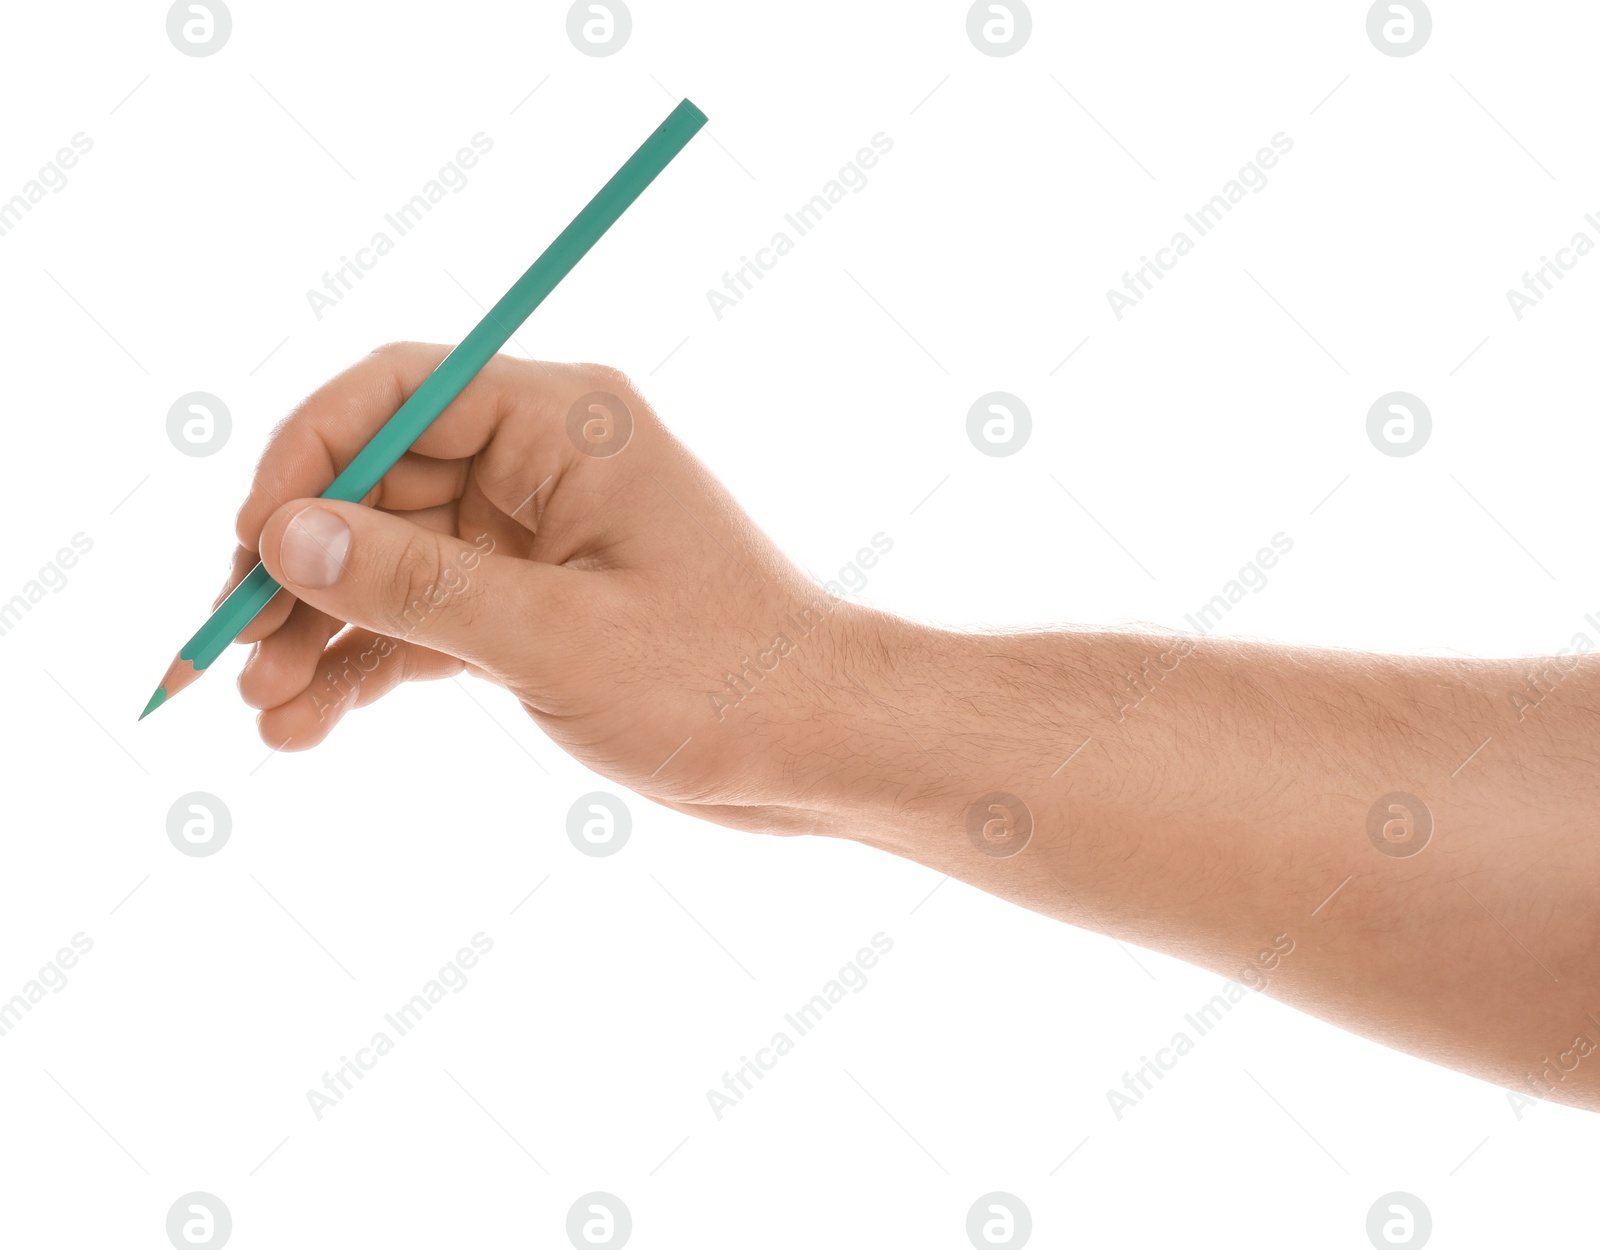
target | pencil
[{"x": 447, "y": 381}]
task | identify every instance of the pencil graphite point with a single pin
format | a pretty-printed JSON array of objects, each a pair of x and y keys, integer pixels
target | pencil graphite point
[{"x": 177, "y": 677}]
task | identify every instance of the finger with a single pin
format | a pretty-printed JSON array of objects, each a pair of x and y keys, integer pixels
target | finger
[
  {"x": 442, "y": 519},
  {"x": 418, "y": 481},
  {"x": 270, "y": 617},
  {"x": 415, "y": 481},
  {"x": 322, "y": 435},
  {"x": 358, "y": 669},
  {"x": 382, "y": 573},
  {"x": 282, "y": 664},
  {"x": 424, "y": 488}
]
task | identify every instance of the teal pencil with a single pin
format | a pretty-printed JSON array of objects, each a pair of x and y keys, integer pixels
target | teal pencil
[{"x": 446, "y": 382}]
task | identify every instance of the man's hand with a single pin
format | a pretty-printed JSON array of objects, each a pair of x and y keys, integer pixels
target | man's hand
[
  {"x": 1255, "y": 810},
  {"x": 549, "y": 534}
]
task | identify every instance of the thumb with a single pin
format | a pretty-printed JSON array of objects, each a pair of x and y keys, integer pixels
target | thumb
[{"x": 381, "y": 572}]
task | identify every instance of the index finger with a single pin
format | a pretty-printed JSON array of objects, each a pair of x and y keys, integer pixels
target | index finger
[{"x": 324, "y": 433}]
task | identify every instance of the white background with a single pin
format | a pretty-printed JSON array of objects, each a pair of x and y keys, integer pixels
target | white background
[{"x": 1230, "y": 405}]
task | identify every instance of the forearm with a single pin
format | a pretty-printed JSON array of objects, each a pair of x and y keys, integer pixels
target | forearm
[
  {"x": 1205, "y": 798},
  {"x": 1211, "y": 799}
]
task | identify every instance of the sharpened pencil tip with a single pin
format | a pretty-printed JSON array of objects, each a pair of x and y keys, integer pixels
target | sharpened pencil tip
[
  {"x": 156, "y": 700},
  {"x": 181, "y": 674}
]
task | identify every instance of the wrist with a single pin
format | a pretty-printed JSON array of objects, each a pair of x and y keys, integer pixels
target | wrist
[{"x": 948, "y": 744}]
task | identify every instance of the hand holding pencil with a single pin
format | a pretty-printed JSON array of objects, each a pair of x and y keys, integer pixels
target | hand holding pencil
[
  {"x": 547, "y": 533},
  {"x": 537, "y": 525},
  {"x": 422, "y": 405}
]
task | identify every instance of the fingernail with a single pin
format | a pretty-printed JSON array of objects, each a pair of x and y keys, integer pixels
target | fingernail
[{"x": 314, "y": 548}]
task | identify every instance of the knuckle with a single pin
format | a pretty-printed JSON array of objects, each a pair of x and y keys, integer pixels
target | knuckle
[
  {"x": 417, "y": 577},
  {"x": 616, "y": 382},
  {"x": 607, "y": 378}
]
